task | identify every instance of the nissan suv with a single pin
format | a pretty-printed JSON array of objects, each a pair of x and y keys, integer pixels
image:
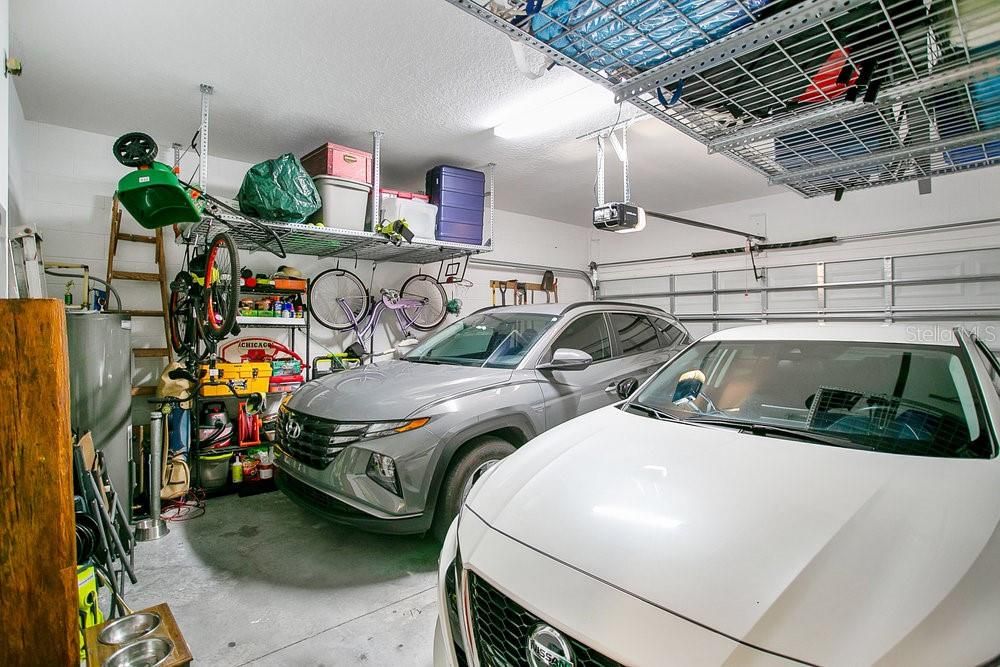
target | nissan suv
[{"x": 396, "y": 446}]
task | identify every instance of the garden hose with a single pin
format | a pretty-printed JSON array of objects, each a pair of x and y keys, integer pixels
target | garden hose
[{"x": 63, "y": 274}]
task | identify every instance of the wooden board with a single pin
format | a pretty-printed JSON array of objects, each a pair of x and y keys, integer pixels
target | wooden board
[
  {"x": 180, "y": 656},
  {"x": 38, "y": 598}
]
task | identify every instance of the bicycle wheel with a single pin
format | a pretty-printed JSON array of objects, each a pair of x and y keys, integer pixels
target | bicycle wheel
[
  {"x": 428, "y": 290},
  {"x": 328, "y": 290},
  {"x": 222, "y": 286}
]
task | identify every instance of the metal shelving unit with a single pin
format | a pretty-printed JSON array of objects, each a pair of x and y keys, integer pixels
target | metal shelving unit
[
  {"x": 918, "y": 94},
  {"x": 328, "y": 242},
  {"x": 302, "y": 239}
]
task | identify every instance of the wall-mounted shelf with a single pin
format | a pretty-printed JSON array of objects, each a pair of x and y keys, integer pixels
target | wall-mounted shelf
[
  {"x": 329, "y": 242},
  {"x": 757, "y": 80},
  {"x": 283, "y": 322}
]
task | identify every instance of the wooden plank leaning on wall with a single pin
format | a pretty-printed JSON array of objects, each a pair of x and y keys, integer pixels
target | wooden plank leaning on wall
[{"x": 38, "y": 597}]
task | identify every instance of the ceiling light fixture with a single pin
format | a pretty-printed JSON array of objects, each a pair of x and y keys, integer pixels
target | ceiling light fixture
[{"x": 544, "y": 115}]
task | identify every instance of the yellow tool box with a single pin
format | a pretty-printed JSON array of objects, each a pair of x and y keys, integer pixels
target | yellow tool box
[{"x": 245, "y": 378}]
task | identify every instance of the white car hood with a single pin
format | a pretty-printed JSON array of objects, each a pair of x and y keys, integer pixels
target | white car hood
[{"x": 824, "y": 554}]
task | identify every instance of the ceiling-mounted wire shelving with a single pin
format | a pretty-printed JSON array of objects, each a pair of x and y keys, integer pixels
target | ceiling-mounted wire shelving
[{"x": 819, "y": 95}]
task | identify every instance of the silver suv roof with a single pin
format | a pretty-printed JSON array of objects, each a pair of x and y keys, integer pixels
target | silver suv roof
[{"x": 562, "y": 308}]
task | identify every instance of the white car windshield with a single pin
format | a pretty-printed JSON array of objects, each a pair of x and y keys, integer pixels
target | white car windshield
[
  {"x": 903, "y": 399},
  {"x": 489, "y": 339}
]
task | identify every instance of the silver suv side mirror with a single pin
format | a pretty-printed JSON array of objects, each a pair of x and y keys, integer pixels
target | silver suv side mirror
[{"x": 565, "y": 359}]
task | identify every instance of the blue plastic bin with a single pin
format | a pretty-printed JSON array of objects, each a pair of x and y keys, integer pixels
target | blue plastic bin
[{"x": 460, "y": 197}]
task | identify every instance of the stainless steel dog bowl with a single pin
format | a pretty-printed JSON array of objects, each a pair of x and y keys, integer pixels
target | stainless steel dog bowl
[
  {"x": 143, "y": 653},
  {"x": 129, "y": 628}
]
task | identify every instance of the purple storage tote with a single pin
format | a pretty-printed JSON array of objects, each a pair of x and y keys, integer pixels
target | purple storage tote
[{"x": 460, "y": 198}]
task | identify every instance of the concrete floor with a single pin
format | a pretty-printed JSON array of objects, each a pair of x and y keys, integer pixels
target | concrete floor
[{"x": 259, "y": 581}]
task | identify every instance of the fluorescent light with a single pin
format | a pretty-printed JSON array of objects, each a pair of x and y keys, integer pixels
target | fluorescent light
[{"x": 541, "y": 116}]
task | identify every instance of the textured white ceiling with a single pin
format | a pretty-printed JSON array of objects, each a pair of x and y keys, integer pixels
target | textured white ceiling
[{"x": 291, "y": 74}]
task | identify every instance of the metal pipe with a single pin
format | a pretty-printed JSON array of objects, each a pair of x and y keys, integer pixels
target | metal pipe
[
  {"x": 703, "y": 225},
  {"x": 155, "y": 462}
]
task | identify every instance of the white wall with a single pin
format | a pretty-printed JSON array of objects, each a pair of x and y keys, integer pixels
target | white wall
[
  {"x": 5, "y": 146},
  {"x": 65, "y": 180}
]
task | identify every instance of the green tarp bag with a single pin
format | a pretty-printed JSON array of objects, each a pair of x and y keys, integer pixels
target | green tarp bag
[{"x": 279, "y": 190}]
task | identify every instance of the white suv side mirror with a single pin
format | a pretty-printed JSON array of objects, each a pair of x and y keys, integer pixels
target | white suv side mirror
[{"x": 565, "y": 359}]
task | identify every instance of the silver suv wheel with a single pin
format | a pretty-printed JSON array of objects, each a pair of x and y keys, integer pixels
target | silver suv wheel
[{"x": 476, "y": 474}]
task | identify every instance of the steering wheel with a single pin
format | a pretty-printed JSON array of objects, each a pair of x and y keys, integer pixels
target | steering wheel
[{"x": 135, "y": 149}]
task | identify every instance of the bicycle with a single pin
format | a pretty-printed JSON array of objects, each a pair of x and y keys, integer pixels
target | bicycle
[
  {"x": 157, "y": 197},
  {"x": 340, "y": 301}
]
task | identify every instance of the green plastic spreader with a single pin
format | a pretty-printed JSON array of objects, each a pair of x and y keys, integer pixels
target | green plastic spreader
[{"x": 155, "y": 198}]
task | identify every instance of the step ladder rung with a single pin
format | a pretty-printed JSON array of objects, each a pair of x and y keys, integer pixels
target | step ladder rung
[
  {"x": 136, "y": 275},
  {"x": 150, "y": 352},
  {"x": 144, "y": 390},
  {"x": 136, "y": 238}
]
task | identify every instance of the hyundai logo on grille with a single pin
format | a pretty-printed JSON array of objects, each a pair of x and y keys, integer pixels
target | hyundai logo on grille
[
  {"x": 548, "y": 648},
  {"x": 293, "y": 429}
]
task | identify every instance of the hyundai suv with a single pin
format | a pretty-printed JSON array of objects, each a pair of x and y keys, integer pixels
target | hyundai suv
[{"x": 395, "y": 446}]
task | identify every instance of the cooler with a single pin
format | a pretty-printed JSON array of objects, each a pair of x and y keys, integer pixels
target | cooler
[{"x": 460, "y": 197}]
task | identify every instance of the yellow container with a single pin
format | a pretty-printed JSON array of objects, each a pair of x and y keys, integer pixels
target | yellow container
[{"x": 245, "y": 378}]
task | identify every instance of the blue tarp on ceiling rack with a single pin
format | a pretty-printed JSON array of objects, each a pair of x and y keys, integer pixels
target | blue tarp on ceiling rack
[{"x": 638, "y": 34}]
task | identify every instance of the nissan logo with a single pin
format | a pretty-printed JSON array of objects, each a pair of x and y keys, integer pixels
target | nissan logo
[
  {"x": 548, "y": 648},
  {"x": 293, "y": 429}
]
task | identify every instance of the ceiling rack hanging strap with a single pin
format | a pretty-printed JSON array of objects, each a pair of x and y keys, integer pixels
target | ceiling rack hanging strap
[{"x": 798, "y": 18}]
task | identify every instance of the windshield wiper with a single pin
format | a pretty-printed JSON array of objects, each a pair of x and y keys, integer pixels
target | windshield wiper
[
  {"x": 422, "y": 360},
  {"x": 765, "y": 430},
  {"x": 652, "y": 412}
]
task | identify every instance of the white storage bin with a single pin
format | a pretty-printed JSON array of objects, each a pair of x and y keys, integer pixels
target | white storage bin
[
  {"x": 420, "y": 216},
  {"x": 345, "y": 203}
]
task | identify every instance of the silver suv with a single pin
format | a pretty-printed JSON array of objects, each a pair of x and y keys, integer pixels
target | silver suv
[{"x": 395, "y": 446}]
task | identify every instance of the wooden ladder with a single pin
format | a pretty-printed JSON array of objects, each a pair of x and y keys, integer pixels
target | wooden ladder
[{"x": 160, "y": 276}]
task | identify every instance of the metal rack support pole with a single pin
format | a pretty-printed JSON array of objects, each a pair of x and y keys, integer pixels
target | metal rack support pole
[
  {"x": 206, "y": 94},
  {"x": 376, "y": 178}
]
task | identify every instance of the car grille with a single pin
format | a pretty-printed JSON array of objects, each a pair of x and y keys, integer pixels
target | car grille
[
  {"x": 319, "y": 440},
  {"x": 502, "y": 629}
]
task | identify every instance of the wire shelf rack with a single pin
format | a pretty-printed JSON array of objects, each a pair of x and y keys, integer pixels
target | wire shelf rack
[
  {"x": 819, "y": 95},
  {"x": 301, "y": 239}
]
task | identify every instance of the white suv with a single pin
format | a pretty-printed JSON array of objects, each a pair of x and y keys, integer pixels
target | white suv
[{"x": 774, "y": 495}]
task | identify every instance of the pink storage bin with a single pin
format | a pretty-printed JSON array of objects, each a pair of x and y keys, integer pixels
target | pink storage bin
[{"x": 339, "y": 161}]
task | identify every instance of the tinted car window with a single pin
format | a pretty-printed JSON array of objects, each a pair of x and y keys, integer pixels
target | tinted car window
[
  {"x": 669, "y": 332},
  {"x": 904, "y": 399},
  {"x": 635, "y": 333},
  {"x": 493, "y": 340},
  {"x": 589, "y": 334}
]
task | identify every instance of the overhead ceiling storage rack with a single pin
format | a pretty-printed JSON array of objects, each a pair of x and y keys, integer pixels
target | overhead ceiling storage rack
[
  {"x": 303, "y": 239},
  {"x": 819, "y": 95}
]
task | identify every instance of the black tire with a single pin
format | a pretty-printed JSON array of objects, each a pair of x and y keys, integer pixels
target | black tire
[
  {"x": 478, "y": 452},
  {"x": 435, "y": 308},
  {"x": 333, "y": 284},
  {"x": 135, "y": 149},
  {"x": 179, "y": 321},
  {"x": 222, "y": 286}
]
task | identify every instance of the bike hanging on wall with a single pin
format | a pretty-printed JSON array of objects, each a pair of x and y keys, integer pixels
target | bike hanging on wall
[{"x": 340, "y": 301}]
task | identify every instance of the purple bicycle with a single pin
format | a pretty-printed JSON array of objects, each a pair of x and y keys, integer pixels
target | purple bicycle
[{"x": 340, "y": 301}]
